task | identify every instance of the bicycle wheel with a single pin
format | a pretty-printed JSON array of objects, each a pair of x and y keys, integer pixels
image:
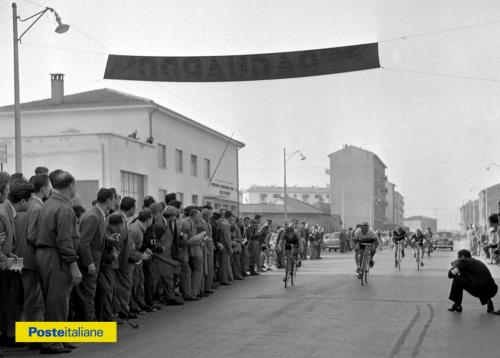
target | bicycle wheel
[
  {"x": 399, "y": 258},
  {"x": 418, "y": 258},
  {"x": 292, "y": 271},
  {"x": 286, "y": 271},
  {"x": 363, "y": 269}
]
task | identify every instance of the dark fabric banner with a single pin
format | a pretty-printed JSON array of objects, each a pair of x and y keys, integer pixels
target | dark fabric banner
[{"x": 268, "y": 66}]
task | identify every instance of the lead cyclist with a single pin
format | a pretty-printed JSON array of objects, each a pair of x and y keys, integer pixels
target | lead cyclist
[{"x": 364, "y": 235}]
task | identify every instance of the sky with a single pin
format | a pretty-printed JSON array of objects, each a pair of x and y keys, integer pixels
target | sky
[{"x": 430, "y": 113}]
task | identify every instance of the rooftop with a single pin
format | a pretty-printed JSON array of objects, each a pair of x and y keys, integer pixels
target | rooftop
[
  {"x": 294, "y": 206},
  {"x": 275, "y": 188},
  {"x": 104, "y": 97},
  {"x": 352, "y": 147}
]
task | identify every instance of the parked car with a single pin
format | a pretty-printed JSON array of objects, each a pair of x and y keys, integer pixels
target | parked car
[
  {"x": 331, "y": 241},
  {"x": 443, "y": 240}
]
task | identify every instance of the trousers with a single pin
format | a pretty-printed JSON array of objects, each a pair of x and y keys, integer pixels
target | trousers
[
  {"x": 33, "y": 297},
  {"x": 104, "y": 294}
]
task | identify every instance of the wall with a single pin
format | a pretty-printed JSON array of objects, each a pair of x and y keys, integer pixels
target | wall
[{"x": 352, "y": 168}]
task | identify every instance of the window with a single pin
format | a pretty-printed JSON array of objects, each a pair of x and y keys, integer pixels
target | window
[
  {"x": 161, "y": 194},
  {"x": 263, "y": 197},
  {"x": 233, "y": 209},
  {"x": 217, "y": 206},
  {"x": 195, "y": 199},
  {"x": 276, "y": 196},
  {"x": 132, "y": 185},
  {"x": 318, "y": 196},
  {"x": 179, "y": 167},
  {"x": 207, "y": 169},
  {"x": 209, "y": 203},
  {"x": 305, "y": 197},
  {"x": 194, "y": 165},
  {"x": 162, "y": 156},
  {"x": 180, "y": 197}
]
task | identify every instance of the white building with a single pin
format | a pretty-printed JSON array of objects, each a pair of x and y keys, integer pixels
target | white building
[
  {"x": 257, "y": 194},
  {"x": 91, "y": 134},
  {"x": 390, "y": 217}
]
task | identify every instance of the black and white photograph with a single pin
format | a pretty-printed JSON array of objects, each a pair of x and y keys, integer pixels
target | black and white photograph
[{"x": 264, "y": 178}]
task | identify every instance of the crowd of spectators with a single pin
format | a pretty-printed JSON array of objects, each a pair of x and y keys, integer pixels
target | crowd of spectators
[{"x": 114, "y": 261}]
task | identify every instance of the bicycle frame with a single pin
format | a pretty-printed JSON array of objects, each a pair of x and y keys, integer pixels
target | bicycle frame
[
  {"x": 365, "y": 259},
  {"x": 399, "y": 250},
  {"x": 290, "y": 265}
]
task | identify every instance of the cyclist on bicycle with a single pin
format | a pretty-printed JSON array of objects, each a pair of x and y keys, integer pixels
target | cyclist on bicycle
[
  {"x": 291, "y": 239},
  {"x": 364, "y": 235},
  {"x": 419, "y": 239},
  {"x": 399, "y": 236}
]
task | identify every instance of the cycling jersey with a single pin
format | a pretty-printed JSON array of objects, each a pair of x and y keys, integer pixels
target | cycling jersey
[
  {"x": 289, "y": 241},
  {"x": 398, "y": 236},
  {"x": 418, "y": 238},
  {"x": 369, "y": 238}
]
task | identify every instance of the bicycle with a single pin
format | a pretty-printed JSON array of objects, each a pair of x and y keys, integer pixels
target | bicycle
[
  {"x": 399, "y": 251},
  {"x": 290, "y": 266},
  {"x": 365, "y": 262},
  {"x": 418, "y": 249}
]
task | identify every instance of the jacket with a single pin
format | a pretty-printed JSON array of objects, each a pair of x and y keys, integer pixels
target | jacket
[
  {"x": 35, "y": 206},
  {"x": 91, "y": 237},
  {"x": 7, "y": 226},
  {"x": 57, "y": 228}
]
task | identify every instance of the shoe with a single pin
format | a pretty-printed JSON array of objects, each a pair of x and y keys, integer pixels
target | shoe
[
  {"x": 174, "y": 303},
  {"x": 360, "y": 275},
  {"x": 239, "y": 278},
  {"x": 132, "y": 315},
  {"x": 191, "y": 298},
  {"x": 70, "y": 345},
  {"x": 490, "y": 307},
  {"x": 147, "y": 308},
  {"x": 496, "y": 312},
  {"x": 156, "y": 307},
  {"x": 255, "y": 274},
  {"x": 372, "y": 263},
  {"x": 225, "y": 284},
  {"x": 455, "y": 308},
  {"x": 54, "y": 350},
  {"x": 421, "y": 264},
  {"x": 357, "y": 270},
  {"x": 209, "y": 292},
  {"x": 203, "y": 294}
]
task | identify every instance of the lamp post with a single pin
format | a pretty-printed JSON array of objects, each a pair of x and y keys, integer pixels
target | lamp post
[
  {"x": 60, "y": 29},
  {"x": 286, "y": 158}
]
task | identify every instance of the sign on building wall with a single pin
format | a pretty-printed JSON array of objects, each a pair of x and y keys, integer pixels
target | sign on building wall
[{"x": 255, "y": 67}]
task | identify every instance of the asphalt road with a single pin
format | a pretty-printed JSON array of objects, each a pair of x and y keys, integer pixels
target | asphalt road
[{"x": 326, "y": 314}]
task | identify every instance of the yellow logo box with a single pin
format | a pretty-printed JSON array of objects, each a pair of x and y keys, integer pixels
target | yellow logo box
[{"x": 101, "y": 332}]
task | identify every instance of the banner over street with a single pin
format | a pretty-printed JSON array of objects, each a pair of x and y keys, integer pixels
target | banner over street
[{"x": 257, "y": 67}]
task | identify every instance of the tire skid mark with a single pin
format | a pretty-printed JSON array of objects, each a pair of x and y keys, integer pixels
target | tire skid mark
[
  {"x": 421, "y": 338},
  {"x": 405, "y": 333}
]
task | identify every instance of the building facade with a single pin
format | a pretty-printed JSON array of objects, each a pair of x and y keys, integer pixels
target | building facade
[
  {"x": 399, "y": 208},
  {"x": 357, "y": 186},
  {"x": 470, "y": 214},
  {"x": 257, "y": 194},
  {"x": 390, "y": 214},
  {"x": 488, "y": 203},
  {"x": 420, "y": 222},
  {"x": 107, "y": 138}
]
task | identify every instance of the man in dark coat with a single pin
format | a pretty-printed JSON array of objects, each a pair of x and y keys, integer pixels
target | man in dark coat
[
  {"x": 474, "y": 277},
  {"x": 90, "y": 251}
]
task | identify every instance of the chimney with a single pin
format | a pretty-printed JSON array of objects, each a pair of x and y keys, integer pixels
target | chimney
[{"x": 57, "y": 87}]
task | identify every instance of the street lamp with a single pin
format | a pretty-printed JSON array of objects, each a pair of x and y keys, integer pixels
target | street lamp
[
  {"x": 60, "y": 29},
  {"x": 285, "y": 160}
]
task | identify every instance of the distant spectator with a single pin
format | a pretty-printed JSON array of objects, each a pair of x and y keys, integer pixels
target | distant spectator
[
  {"x": 41, "y": 170},
  {"x": 4, "y": 186}
]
